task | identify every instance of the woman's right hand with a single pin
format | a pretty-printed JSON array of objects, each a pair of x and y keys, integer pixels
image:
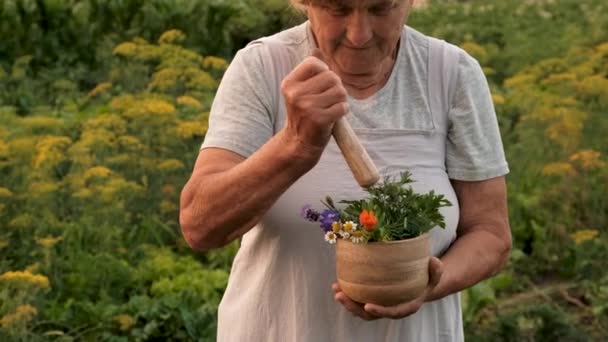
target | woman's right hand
[{"x": 315, "y": 99}]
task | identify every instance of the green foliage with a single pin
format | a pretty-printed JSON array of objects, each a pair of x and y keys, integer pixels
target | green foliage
[{"x": 402, "y": 213}]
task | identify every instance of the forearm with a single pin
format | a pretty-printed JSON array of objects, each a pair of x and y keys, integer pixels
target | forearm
[
  {"x": 473, "y": 257},
  {"x": 222, "y": 206}
]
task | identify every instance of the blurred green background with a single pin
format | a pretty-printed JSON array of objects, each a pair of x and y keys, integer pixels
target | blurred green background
[{"x": 104, "y": 103}]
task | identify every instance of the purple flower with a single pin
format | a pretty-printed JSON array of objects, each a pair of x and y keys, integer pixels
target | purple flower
[
  {"x": 327, "y": 218},
  {"x": 309, "y": 214}
]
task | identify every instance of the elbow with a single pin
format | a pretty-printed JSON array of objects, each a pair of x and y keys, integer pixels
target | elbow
[
  {"x": 505, "y": 252},
  {"x": 199, "y": 237}
]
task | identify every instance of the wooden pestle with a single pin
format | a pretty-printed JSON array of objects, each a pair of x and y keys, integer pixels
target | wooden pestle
[{"x": 356, "y": 156}]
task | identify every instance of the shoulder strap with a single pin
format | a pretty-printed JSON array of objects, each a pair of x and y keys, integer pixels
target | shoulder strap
[{"x": 443, "y": 62}]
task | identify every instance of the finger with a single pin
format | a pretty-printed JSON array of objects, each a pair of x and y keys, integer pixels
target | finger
[
  {"x": 435, "y": 271},
  {"x": 354, "y": 307},
  {"x": 308, "y": 68},
  {"x": 325, "y": 100},
  {"x": 336, "y": 287},
  {"x": 394, "y": 312},
  {"x": 336, "y": 111},
  {"x": 320, "y": 83}
]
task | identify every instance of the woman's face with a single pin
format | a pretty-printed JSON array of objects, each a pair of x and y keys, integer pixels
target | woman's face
[{"x": 358, "y": 35}]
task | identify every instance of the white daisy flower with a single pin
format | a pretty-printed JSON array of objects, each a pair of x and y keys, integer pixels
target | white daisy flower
[
  {"x": 330, "y": 237},
  {"x": 336, "y": 226},
  {"x": 349, "y": 226},
  {"x": 345, "y": 234},
  {"x": 357, "y": 237}
]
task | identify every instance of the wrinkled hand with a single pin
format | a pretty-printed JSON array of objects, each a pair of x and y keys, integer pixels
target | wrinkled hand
[
  {"x": 370, "y": 311},
  {"x": 315, "y": 99}
]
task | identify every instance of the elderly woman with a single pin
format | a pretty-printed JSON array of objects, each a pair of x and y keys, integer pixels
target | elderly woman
[{"x": 417, "y": 104}]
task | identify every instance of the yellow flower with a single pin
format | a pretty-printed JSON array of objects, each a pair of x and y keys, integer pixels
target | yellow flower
[
  {"x": 191, "y": 129},
  {"x": 558, "y": 169},
  {"x": 165, "y": 79},
  {"x": 130, "y": 143},
  {"x": 212, "y": 62},
  {"x": 126, "y": 49},
  {"x": 125, "y": 321},
  {"x": 189, "y": 101},
  {"x": 21, "y": 221},
  {"x": 336, "y": 227},
  {"x": 42, "y": 188},
  {"x": 172, "y": 37},
  {"x": 97, "y": 172},
  {"x": 588, "y": 159},
  {"x": 107, "y": 121},
  {"x": 3, "y": 244},
  {"x": 49, "y": 241},
  {"x": 100, "y": 89},
  {"x": 201, "y": 80},
  {"x": 51, "y": 150},
  {"x": 476, "y": 50},
  {"x": 583, "y": 235},
  {"x": 25, "y": 278},
  {"x": 41, "y": 122},
  {"x": 5, "y": 193},
  {"x": 23, "y": 315},
  {"x": 169, "y": 165},
  {"x": 158, "y": 106},
  {"x": 498, "y": 100}
]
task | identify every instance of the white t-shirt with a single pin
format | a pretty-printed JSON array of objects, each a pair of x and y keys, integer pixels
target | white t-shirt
[{"x": 434, "y": 117}]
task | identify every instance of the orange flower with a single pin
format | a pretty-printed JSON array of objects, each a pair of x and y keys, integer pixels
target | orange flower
[{"x": 368, "y": 220}]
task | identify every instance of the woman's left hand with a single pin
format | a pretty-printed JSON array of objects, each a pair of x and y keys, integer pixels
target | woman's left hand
[{"x": 370, "y": 311}]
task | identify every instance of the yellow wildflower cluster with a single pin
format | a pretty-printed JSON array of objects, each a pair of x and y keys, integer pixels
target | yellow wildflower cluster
[
  {"x": 22, "y": 315},
  {"x": 125, "y": 322},
  {"x": 100, "y": 89},
  {"x": 130, "y": 143},
  {"x": 190, "y": 129},
  {"x": 583, "y": 235},
  {"x": 21, "y": 221},
  {"x": 215, "y": 63},
  {"x": 588, "y": 159},
  {"x": 476, "y": 50},
  {"x": 165, "y": 79},
  {"x": 25, "y": 278},
  {"x": 559, "y": 169},
  {"x": 498, "y": 99},
  {"x": 97, "y": 172},
  {"x": 41, "y": 188},
  {"x": 189, "y": 101},
  {"x": 5, "y": 193},
  {"x": 126, "y": 49},
  {"x": 161, "y": 110},
  {"x": 51, "y": 150},
  {"x": 172, "y": 37},
  {"x": 169, "y": 165},
  {"x": 107, "y": 121},
  {"x": 48, "y": 241}
]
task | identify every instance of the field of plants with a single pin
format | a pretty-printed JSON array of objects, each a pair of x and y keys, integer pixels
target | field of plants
[{"x": 104, "y": 104}]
